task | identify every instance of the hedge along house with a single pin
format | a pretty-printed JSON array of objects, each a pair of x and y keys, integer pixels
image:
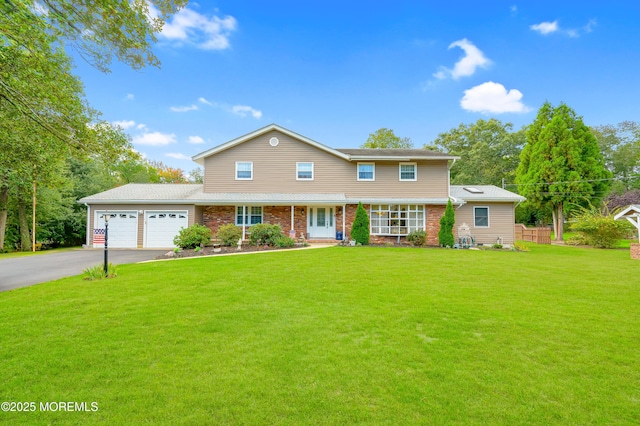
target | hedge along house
[{"x": 273, "y": 175}]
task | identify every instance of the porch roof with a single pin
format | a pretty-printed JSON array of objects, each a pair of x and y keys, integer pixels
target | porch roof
[{"x": 148, "y": 193}]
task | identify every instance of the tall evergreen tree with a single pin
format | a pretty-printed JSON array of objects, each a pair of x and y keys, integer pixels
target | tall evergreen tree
[
  {"x": 447, "y": 221},
  {"x": 560, "y": 163},
  {"x": 360, "y": 227}
]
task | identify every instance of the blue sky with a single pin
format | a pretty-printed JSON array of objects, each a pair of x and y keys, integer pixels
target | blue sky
[{"x": 337, "y": 71}]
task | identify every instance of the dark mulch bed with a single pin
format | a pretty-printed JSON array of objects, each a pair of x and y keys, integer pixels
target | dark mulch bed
[{"x": 210, "y": 251}]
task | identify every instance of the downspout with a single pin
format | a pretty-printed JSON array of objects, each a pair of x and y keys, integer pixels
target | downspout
[{"x": 449, "y": 178}]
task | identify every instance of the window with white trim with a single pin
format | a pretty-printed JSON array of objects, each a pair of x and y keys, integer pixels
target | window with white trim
[
  {"x": 244, "y": 170},
  {"x": 396, "y": 219},
  {"x": 366, "y": 171},
  {"x": 408, "y": 171},
  {"x": 481, "y": 217},
  {"x": 250, "y": 215},
  {"x": 304, "y": 171}
]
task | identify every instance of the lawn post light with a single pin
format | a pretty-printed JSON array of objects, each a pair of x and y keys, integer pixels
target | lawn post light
[{"x": 106, "y": 244}]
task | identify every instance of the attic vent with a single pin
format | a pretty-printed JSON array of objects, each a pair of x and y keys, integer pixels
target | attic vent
[
  {"x": 274, "y": 141},
  {"x": 473, "y": 190}
]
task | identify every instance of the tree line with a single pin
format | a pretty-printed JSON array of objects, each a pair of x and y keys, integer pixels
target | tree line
[
  {"x": 54, "y": 147},
  {"x": 557, "y": 162}
]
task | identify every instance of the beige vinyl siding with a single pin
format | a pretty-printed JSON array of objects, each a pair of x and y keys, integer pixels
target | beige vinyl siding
[
  {"x": 274, "y": 170},
  {"x": 501, "y": 222},
  {"x": 141, "y": 207}
]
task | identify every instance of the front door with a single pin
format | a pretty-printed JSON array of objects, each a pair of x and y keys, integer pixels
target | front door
[{"x": 321, "y": 222}]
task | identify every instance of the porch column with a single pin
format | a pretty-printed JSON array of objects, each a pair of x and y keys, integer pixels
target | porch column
[
  {"x": 292, "y": 217},
  {"x": 244, "y": 221},
  {"x": 344, "y": 221}
]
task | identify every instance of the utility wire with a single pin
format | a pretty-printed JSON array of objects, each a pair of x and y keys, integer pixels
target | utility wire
[{"x": 573, "y": 181}]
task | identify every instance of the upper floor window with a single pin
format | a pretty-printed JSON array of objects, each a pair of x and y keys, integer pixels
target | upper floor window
[
  {"x": 366, "y": 171},
  {"x": 304, "y": 171},
  {"x": 408, "y": 171},
  {"x": 244, "y": 170},
  {"x": 481, "y": 217}
]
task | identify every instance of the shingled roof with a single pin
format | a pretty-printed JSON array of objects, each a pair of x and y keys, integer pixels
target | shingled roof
[{"x": 395, "y": 154}]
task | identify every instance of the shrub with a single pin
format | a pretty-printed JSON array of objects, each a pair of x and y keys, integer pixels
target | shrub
[
  {"x": 229, "y": 234},
  {"x": 193, "y": 236},
  {"x": 497, "y": 246},
  {"x": 284, "y": 242},
  {"x": 578, "y": 239},
  {"x": 264, "y": 234},
  {"x": 418, "y": 237},
  {"x": 97, "y": 272},
  {"x": 600, "y": 228},
  {"x": 445, "y": 235},
  {"x": 360, "y": 227},
  {"x": 520, "y": 246}
]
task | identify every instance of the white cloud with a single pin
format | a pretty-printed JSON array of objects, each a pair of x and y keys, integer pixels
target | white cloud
[
  {"x": 514, "y": 9},
  {"x": 467, "y": 65},
  {"x": 545, "y": 28},
  {"x": 155, "y": 139},
  {"x": 195, "y": 139},
  {"x": 589, "y": 27},
  {"x": 125, "y": 124},
  {"x": 493, "y": 97},
  {"x": 243, "y": 110},
  {"x": 141, "y": 126},
  {"x": 184, "y": 108},
  {"x": 129, "y": 97},
  {"x": 204, "y": 101},
  {"x": 177, "y": 156},
  {"x": 190, "y": 27}
]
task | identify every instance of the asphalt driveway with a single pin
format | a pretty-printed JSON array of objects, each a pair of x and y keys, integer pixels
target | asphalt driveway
[{"x": 24, "y": 271}]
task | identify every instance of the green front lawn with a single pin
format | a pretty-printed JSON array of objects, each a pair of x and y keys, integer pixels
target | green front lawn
[{"x": 334, "y": 336}]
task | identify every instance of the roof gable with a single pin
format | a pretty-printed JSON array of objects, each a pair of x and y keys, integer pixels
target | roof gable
[
  {"x": 199, "y": 158},
  {"x": 632, "y": 211}
]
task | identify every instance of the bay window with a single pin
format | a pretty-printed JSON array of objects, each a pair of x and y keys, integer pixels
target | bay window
[{"x": 396, "y": 219}]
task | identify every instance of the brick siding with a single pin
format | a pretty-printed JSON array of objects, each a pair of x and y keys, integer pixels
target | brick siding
[
  {"x": 635, "y": 251},
  {"x": 216, "y": 216}
]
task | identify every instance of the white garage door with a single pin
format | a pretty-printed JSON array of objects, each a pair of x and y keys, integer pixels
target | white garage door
[
  {"x": 123, "y": 229},
  {"x": 161, "y": 227}
]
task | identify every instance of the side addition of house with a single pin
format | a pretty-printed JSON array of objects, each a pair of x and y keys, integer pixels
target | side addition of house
[{"x": 276, "y": 176}]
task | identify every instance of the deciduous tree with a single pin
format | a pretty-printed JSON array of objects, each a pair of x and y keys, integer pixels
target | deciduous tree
[
  {"x": 620, "y": 147},
  {"x": 489, "y": 151},
  {"x": 385, "y": 138}
]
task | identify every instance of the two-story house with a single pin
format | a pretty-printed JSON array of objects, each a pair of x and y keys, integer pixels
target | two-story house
[{"x": 274, "y": 175}]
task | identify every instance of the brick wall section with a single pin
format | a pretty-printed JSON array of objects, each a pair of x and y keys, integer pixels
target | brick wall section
[
  {"x": 635, "y": 251},
  {"x": 216, "y": 216},
  {"x": 281, "y": 215},
  {"x": 434, "y": 214}
]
